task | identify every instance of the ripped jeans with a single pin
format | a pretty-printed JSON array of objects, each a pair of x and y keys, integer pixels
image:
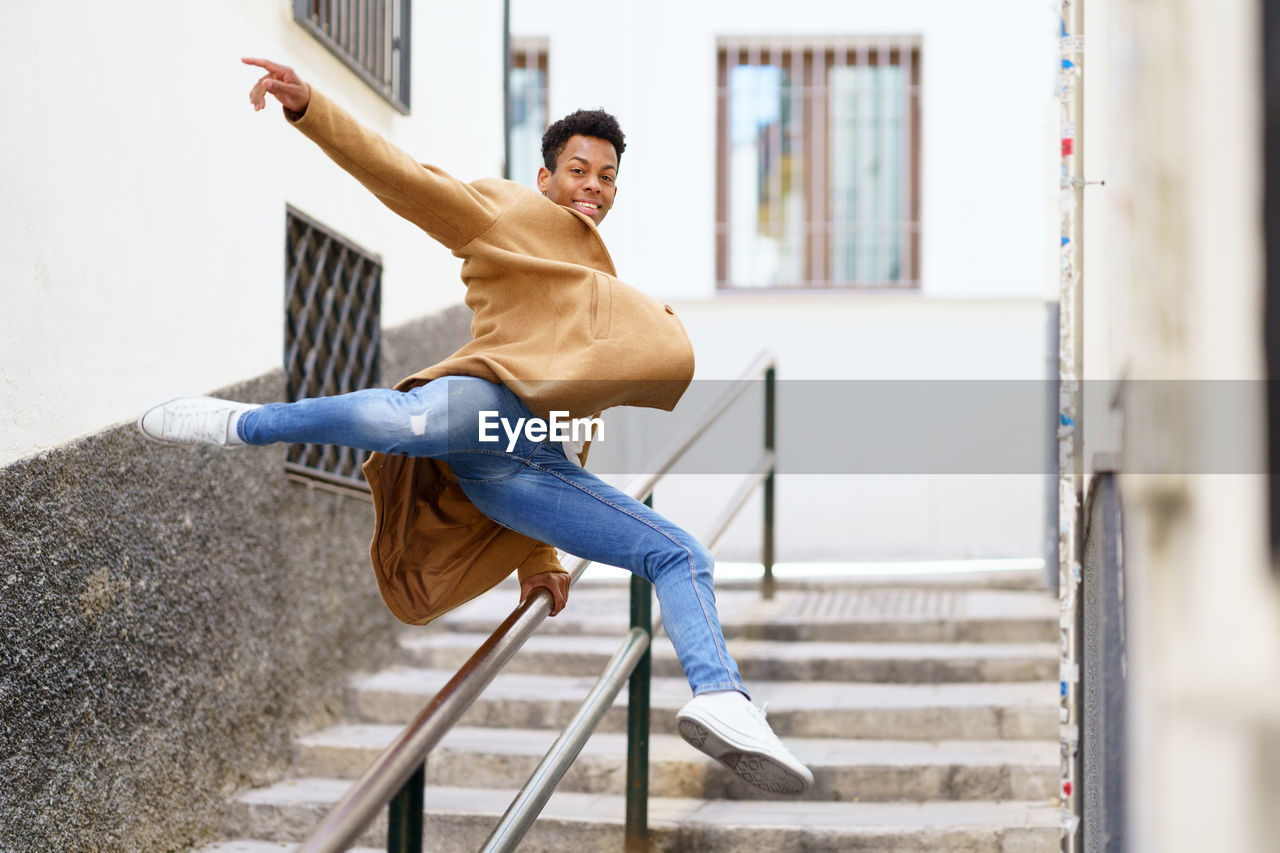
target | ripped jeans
[{"x": 529, "y": 486}]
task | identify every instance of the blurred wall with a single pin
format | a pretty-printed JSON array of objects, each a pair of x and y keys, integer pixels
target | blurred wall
[{"x": 1173, "y": 289}]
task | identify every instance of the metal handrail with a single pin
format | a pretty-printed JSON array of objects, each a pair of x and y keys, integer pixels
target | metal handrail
[
  {"x": 672, "y": 453},
  {"x": 524, "y": 809},
  {"x": 757, "y": 477},
  {"x": 390, "y": 776}
]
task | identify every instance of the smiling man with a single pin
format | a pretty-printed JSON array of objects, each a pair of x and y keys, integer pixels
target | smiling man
[
  {"x": 555, "y": 333},
  {"x": 580, "y": 156}
]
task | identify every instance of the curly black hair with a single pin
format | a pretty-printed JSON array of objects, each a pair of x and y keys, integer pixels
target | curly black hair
[{"x": 597, "y": 123}]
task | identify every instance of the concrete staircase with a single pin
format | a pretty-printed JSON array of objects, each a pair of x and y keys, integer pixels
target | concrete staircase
[{"x": 926, "y": 708}]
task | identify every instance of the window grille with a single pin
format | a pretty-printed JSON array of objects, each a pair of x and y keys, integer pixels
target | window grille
[
  {"x": 332, "y": 334},
  {"x": 370, "y": 36},
  {"x": 528, "y": 108},
  {"x": 818, "y": 172}
]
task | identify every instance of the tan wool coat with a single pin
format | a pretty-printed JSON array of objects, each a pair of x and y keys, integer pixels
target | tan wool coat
[{"x": 551, "y": 322}]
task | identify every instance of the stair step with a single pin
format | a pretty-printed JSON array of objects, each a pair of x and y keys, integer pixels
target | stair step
[
  {"x": 459, "y": 819},
  {"x": 859, "y": 614},
  {"x": 844, "y": 770},
  {"x": 764, "y": 660},
  {"x": 807, "y": 709},
  {"x": 899, "y": 575}
]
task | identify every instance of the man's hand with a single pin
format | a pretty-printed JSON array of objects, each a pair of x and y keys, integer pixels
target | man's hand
[
  {"x": 555, "y": 582},
  {"x": 281, "y": 82}
]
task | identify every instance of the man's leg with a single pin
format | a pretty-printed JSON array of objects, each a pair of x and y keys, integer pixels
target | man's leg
[
  {"x": 555, "y": 501},
  {"x": 375, "y": 419},
  {"x": 413, "y": 423}
]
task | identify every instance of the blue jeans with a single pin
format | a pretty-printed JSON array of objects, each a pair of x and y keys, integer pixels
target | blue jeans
[{"x": 529, "y": 486}]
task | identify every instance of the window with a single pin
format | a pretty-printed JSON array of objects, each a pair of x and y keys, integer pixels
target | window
[
  {"x": 370, "y": 36},
  {"x": 528, "y": 109},
  {"x": 332, "y": 334},
  {"x": 818, "y": 173}
]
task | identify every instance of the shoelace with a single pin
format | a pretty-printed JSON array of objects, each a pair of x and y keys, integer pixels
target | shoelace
[
  {"x": 762, "y": 715},
  {"x": 201, "y": 423}
]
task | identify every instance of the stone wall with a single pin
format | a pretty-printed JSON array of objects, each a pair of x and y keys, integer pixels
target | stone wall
[{"x": 170, "y": 618}]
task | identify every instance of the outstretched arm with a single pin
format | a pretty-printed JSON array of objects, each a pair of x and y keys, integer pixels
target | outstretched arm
[
  {"x": 281, "y": 82},
  {"x": 449, "y": 210}
]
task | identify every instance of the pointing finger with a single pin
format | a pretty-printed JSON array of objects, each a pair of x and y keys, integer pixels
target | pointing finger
[{"x": 273, "y": 67}]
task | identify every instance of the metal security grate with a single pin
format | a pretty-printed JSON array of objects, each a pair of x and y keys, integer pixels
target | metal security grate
[
  {"x": 370, "y": 36},
  {"x": 332, "y": 333}
]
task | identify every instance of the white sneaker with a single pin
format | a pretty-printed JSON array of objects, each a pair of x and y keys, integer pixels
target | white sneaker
[
  {"x": 195, "y": 420},
  {"x": 726, "y": 726}
]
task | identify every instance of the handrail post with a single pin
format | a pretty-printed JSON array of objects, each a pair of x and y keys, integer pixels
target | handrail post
[
  {"x": 404, "y": 821},
  {"x": 637, "y": 830},
  {"x": 766, "y": 557}
]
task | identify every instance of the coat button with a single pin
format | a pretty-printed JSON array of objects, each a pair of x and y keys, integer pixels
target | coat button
[{"x": 668, "y": 308}]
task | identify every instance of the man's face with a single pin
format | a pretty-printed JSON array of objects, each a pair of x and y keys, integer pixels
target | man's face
[{"x": 585, "y": 178}]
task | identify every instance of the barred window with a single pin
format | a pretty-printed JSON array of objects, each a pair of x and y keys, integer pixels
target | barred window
[
  {"x": 528, "y": 108},
  {"x": 332, "y": 334},
  {"x": 370, "y": 36},
  {"x": 818, "y": 173}
]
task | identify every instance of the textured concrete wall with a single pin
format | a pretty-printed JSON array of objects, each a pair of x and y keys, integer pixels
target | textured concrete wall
[{"x": 169, "y": 618}]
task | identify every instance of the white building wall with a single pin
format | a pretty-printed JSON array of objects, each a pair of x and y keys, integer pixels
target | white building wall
[
  {"x": 142, "y": 229},
  {"x": 988, "y": 224},
  {"x": 875, "y": 337}
]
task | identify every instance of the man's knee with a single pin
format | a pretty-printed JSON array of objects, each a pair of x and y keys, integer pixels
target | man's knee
[
  {"x": 702, "y": 558},
  {"x": 687, "y": 555}
]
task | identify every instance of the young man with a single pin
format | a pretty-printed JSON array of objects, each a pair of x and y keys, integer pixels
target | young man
[{"x": 555, "y": 333}]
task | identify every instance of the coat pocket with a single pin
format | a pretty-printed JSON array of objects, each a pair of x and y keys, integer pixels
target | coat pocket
[{"x": 601, "y": 306}]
